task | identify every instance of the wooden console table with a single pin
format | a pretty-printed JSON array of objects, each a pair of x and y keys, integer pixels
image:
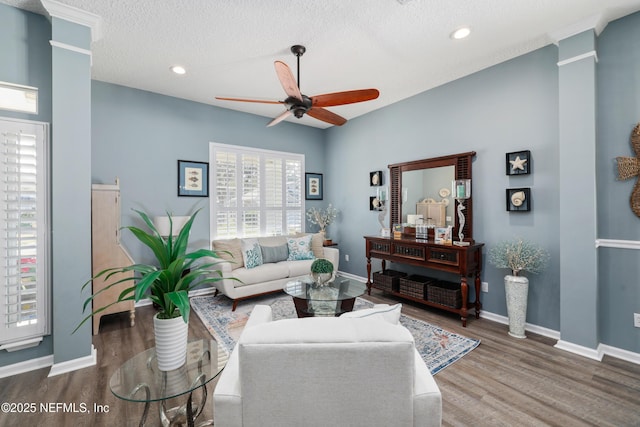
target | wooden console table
[{"x": 465, "y": 261}]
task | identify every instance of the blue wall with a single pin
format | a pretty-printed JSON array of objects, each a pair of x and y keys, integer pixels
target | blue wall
[
  {"x": 26, "y": 60},
  {"x": 139, "y": 136},
  {"x": 509, "y": 107},
  {"x": 618, "y": 83}
]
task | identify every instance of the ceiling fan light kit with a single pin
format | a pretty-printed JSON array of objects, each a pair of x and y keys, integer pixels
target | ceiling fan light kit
[{"x": 298, "y": 105}]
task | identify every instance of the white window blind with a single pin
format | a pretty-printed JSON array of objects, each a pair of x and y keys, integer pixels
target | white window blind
[
  {"x": 255, "y": 192},
  {"x": 24, "y": 289}
]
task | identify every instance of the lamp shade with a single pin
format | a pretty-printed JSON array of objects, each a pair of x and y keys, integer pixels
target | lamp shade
[{"x": 162, "y": 224}]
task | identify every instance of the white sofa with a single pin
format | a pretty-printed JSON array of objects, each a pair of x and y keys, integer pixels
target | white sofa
[
  {"x": 240, "y": 282},
  {"x": 324, "y": 371}
]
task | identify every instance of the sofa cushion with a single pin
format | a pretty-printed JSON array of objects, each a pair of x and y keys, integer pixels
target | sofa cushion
[
  {"x": 299, "y": 268},
  {"x": 272, "y": 240},
  {"x": 300, "y": 248},
  {"x": 386, "y": 312},
  {"x": 234, "y": 247},
  {"x": 274, "y": 253},
  {"x": 251, "y": 253},
  {"x": 260, "y": 274}
]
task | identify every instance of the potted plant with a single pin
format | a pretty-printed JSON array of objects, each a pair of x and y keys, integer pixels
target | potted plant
[
  {"x": 322, "y": 271},
  {"x": 166, "y": 284},
  {"x": 322, "y": 218},
  {"x": 518, "y": 256}
]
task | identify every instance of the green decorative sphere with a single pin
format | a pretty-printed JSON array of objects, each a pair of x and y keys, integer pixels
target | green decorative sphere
[{"x": 322, "y": 265}]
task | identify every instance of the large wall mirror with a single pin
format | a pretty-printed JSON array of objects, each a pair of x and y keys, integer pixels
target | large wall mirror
[{"x": 423, "y": 188}]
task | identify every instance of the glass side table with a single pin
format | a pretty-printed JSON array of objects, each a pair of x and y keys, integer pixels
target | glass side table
[
  {"x": 140, "y": 380},
  {"x": 332, "y": 299}
]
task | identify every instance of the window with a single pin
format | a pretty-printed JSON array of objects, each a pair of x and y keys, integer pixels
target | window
[
  {"x": 24, "y": 278},
  {"x": 255, "y": 192}
]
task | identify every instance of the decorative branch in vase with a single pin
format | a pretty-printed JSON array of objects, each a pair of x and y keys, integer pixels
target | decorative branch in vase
[
  {"x": 518, "y": 255},
  {"x": 322, "y": 218}
]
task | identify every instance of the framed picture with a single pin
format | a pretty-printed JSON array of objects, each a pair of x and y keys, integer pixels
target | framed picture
[
  {"x": 313, "y": 186},
  {"x": 442, "y": 235},
  {"x": 375, "y": 178},
  {"x": 374, "y": 203},
  {"x": 193, "y": 179},
  {"x": 518, "y": 163},
  {"x": 518, "y": 199}
]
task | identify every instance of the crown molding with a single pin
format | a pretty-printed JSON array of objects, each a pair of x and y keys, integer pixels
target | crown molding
[
  {"x": 596, "y": 23},
  {"x": 56, "y": 9}
]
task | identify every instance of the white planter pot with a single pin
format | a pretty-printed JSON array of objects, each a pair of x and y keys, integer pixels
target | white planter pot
[
  {"x": 171, "y": 342},
  {"x": 516, "y": 290}
]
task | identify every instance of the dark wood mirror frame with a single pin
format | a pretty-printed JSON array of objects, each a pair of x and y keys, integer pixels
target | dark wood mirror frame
[{"x": 461, "y": 162}]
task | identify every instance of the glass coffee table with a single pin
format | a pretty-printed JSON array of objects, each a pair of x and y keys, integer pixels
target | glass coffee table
[
  {"x": 329, "y": 300},
  {"x": 140, "y": 380}
]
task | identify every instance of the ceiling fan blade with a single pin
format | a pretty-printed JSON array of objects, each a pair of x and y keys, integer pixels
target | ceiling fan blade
[
  {"x": 342, "y": 98},
  {"x": 259, "y": 101},
  {"x": 280, "y": 118},
  {"x": 326, "y": 116},
  {"x": 287, "y": 80}
]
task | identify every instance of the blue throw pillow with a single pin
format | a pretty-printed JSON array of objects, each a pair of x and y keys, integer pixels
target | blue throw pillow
[
  {"x": 251, "y": 253},
  {"x": 300, "y": 248}
]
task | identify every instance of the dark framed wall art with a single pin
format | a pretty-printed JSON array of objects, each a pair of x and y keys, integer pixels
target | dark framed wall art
[
  {"x": 375, "y": 178},
  {"x": 193, "y": 179},
  {"x": 518, "y": 199},
  {"x": 518, "y": 163},
  {"x": 313, "y": 186}
]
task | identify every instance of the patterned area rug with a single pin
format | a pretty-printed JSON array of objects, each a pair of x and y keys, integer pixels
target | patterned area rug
[{"x": 439, "y": 348}]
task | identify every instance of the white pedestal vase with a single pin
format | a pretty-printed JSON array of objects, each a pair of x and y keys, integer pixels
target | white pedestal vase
[
  {"x": 516, "y": 290},
  {"x": 171, "y": 342}
]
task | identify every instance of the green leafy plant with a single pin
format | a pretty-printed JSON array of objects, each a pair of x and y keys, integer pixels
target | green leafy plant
[
  {"x": 167, "y": 284},
  {"x": 322, "y": 265},
  {"x": 519, "y": 255}
]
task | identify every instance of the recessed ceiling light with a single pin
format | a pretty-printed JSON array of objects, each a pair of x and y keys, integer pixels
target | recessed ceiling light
[
  {"x": 460, "y": 33},
  {"x": 178, "y": 69}
]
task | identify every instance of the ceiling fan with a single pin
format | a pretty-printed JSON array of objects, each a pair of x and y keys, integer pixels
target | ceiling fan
[{"x": 298, "y": 104}]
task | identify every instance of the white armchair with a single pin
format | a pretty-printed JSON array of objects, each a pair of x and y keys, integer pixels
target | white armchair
[{"x": 325, "y": 372}]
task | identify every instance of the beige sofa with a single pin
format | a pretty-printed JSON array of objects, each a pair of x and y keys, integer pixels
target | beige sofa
[{"x": 240, "y": 282}]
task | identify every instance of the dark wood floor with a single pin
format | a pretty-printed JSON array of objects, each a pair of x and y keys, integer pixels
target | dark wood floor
[{"x": 503, "y": 382}]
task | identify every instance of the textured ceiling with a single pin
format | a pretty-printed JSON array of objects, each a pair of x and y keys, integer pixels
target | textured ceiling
[{"x": 399, "y": 47}]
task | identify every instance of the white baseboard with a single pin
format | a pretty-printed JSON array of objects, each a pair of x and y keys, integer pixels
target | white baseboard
[
  {"x": 26, "y": 366},
  {"x": 590, "y": 353},
  {"x": 72, "y": 365},
  {"x": 619, "y": 353},
  {"x": 579, "y": 350}
]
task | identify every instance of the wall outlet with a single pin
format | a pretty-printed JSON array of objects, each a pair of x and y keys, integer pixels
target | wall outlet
[
  {"x": 485, "y": 287},
  {"x": 636, "y": 320},
  {"x": 346, "y": 257}
]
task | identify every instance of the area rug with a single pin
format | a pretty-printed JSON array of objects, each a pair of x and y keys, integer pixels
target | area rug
[{"x": 439, "y": 348}]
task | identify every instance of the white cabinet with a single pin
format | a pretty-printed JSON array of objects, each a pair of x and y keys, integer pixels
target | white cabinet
[{"x": 107, "y": 252}]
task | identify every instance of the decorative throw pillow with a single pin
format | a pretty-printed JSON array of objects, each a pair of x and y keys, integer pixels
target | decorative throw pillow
[
  {"x": 300, "y": 248},
  {"x": 317, "y": 242},
  {"x": 229, "y": 250},
  {"x": 251, "y": 253},
  {"x": 389, "y": 313},
  {"x": 274, "y": 253}
]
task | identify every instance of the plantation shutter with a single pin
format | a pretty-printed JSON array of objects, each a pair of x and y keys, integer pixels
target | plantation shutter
[
  {"x": 256, "y": 192},
  {"x": 23, "y": 234}
]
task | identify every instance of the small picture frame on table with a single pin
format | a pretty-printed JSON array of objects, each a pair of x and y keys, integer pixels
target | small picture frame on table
[
  {"x": 442, "y": 235},
  {"x": 375, "y": 178},
  {"x": 313, "y": 186},
  {"x": 518, "y": 199},
  {"x": 193, "y": 179},
  {"x": 518, "y": 163}
]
